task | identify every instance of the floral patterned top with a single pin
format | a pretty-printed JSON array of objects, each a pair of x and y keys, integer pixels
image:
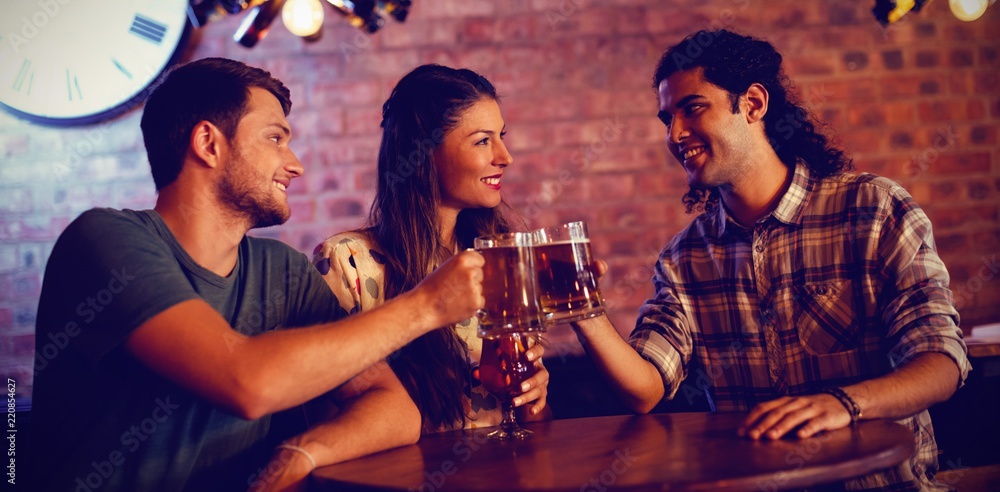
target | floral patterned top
[{"x": 355, "y": 270}]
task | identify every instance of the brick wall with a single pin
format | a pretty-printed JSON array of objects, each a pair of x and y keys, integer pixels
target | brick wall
[{"x": 918, "y": 102}]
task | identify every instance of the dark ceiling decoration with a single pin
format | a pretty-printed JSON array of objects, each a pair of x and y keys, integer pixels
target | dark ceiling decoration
[{"x": 303, "y": 18}]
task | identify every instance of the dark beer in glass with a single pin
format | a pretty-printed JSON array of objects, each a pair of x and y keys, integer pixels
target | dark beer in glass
[{"x": 567, "y": 282}]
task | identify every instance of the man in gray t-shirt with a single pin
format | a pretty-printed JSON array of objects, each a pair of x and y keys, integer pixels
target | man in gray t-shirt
[{"x": 164, "y": 339}]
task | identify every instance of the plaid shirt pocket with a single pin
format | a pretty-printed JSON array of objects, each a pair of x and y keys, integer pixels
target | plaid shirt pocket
[{"x": 825, "y": 317}]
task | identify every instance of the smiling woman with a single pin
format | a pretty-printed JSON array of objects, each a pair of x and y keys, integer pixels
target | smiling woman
[{"x": 434, "y": 201}]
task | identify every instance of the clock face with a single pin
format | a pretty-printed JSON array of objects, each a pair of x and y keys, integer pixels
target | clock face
[{"x": 73, "y": 62}]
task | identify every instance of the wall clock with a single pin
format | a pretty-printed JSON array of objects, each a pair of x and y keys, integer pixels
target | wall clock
[{"x": 68, "y": 62}]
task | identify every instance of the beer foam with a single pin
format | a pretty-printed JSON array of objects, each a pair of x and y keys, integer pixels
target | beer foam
[{"x": 571, "y": 241}]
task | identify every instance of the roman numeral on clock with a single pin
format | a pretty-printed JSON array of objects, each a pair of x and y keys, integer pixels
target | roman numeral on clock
[
  {"x": 148, "y": 29},
  {"x": 24, "y": 73},
  {"x": 71, "y": 84}
]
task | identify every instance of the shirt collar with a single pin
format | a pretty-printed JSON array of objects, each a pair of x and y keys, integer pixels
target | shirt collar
[{"x": 789, "y": 209}]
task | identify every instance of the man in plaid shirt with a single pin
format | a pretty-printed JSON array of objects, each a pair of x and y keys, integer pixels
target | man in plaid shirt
[{"x": 809, "y": 297}]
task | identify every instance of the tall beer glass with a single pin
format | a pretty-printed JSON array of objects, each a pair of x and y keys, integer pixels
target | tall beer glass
[
  {"x": 509, "y": 284},
  {"x": 512, "y": 311},
  {"x": 567, "y": 281}
]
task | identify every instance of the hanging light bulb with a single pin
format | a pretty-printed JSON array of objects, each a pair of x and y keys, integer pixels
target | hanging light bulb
[
  {"x": 968, "y": 10},
  {"x": 303, "y": 18}
]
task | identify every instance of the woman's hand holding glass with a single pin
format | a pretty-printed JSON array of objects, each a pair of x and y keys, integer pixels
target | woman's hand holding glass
[{"x": 535, "y": 389}]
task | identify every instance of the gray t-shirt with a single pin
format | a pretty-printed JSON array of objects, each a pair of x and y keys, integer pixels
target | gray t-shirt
[{"x": 102, "y": 420}]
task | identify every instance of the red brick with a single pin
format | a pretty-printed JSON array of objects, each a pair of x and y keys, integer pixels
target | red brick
[
  {"x": 955, "y": 110},
  {"x": 45, "y": 228},
  {"x": 844, "y": 14},
  {"x": 956, "y": 217},
  {"x": 909, "y": 86},
  {"x": 864, "y": 140},
  {"x": 983, "y": 134},
  {"x": 960, "y": 82},
  {"x": 960, "y": 31},
  {"x": 793, "y": 16},
  {"x": 670, "y": 182},
  {"x": 927, "y": 59},
  {"x": 335, "y": 94},
  {"x": 344, "y": 207},
  {"x": 881, "y": 115},
  {"x": 308, "y": 124},
  {"x": 6, "y": 314},
  {"x": 420, "y": 33},
  {"x": 478, "y": 30},
  {"x": 518, "y": 109},
  {"x": 363, "y": 121},
  {"x": 948, "y": 192},
  {"x": 530, "y": 136},
  {"x": 951, "y": 242},
  {"x": 987, "y": 82},
  {"x": 964, "y": 163},
  {"x": 810, "y": 64},
  {"x": 855, "y": 90},
  {"x": 672, "y": 22},
  {"x": 456, "y": 9},
  {"x": 520, "y": 28},
  {"x": 303, "y": 209}
]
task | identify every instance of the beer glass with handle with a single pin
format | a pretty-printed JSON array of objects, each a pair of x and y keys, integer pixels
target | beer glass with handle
[
  {"x": 566, "y": 278},
  {"x": 511, "y": 314}
]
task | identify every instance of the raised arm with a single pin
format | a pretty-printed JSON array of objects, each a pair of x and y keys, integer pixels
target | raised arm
[
  {"x": 636, "y": 380},
  {"x": 639, "y": 382},
  {"x": 192, "y": 345}
]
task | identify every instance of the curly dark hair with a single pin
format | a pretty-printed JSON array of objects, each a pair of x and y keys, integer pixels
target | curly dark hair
[{"x": 733, "y": 62}]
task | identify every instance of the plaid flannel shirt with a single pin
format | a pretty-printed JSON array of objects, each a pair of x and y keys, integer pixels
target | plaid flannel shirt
[{"x": 840, "y": 283}]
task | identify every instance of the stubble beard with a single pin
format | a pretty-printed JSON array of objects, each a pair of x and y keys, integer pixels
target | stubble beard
[{"x": 239, "y": 189}]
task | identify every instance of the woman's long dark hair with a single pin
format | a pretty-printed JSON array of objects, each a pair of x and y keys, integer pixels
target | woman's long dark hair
[
  {"x": 734, "y": 62},
  {"x": 403, "y": 221}
]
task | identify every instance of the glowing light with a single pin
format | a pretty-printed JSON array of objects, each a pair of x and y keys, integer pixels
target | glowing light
[
  {"x": 968, "y": 10},
  {"x": 303, "y": 17}
]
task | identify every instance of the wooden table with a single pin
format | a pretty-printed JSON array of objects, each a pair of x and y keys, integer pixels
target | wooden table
[{"x": 681, "y": 451}]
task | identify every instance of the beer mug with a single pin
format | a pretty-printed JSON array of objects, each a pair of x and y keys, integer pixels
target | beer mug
[
  {"x": 509, "y": 285},
  {"x": 567, "y": 280}
]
